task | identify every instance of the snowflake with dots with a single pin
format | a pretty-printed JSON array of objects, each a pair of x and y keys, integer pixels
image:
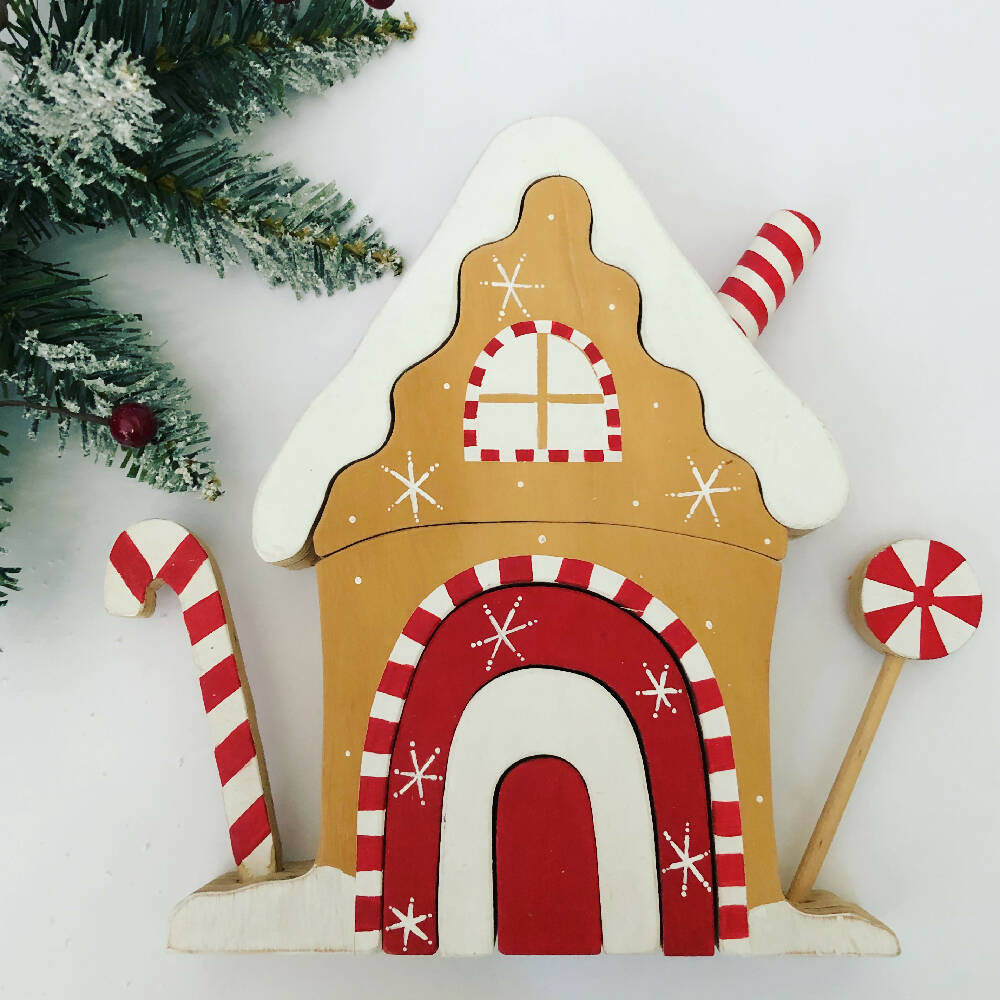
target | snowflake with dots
[
  {"x": 414, "y": 491},
  {"x": 511, "y": 286},
  {"x": 659, "y": 690},
  {"x": 409, "y": 923},
  {"x": 502, "y": 633},
  {"x": 419, "y": 774},
  {"x": 705, "y": 491},
  {"x": 686, "y": 861}
]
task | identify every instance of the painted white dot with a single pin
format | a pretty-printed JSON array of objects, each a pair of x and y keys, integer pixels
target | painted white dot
[
  {"x": 635, "y": 503},
  {"x": 352, "y": 519},
  {"x": 520, "y": 484},
  {"x": 347, "y": 753},
  {"x": 767, "y": 541},
  {"x": 447, "y": 385},
  {"x": 760, "y": 798},
  {"x": 551, "y": 217},
  {"x": 542, "y": 539},
  {"x": 656, "y": 406},
  {"x": 357, "y": 579},
  {"x": 708, "y": 625},
  {"x": 611, "y": 306}
]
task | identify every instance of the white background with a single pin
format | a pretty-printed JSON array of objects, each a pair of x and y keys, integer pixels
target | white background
[{"x": 876, "y": 118}]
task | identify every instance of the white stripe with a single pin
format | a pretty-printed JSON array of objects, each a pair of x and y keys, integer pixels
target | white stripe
[
  {"x": 775, "y": 258},
  {"x": 875, "y": 596},
  {"x": 723, "y": 786},
  {"x": 580, "y": 340},
  {"x": 545, "y": 569},
  {"x": 472, "y": 393},
  {"x": 612, "y": 456},
  {"x": 954, "y": 632},
  {"x": 740, "y": 314},
  {"x": 601, "y": 369},
  {"x": 157, "y": 541},
  {"x": 387, "y": 707},
  {"x": 241, "y": 791},
  {"x": 488, "y": 574},
  {"x": 406, "y": 651},
  {"x": 368, "y": 883},
  {"x": 713, "y": 724},
  {"x": 374, "y": 765},
  {"x": 913, "y": 554},
  {"x": 960, "y": 582},
  {"x": 696, "y": 665},
  {"x": 790, "y": 223},
  {"x": 260, "y": 861},
  {"x": 371, "y": 822},
  {"x": 543, "y": 325},
  {"x": 226, "y": 716},
  {"x": 201, "y": 585},
  {"x": 605, "y": 582},
  {"x": 472, "y": 454},
  {"x": 216, "y": 646},
  {"x": 735, "y": 946},
  {"x": 732, "y": 895},
  {"x": 438, "y": 602},
  {"x": 750, "y": 277},
  {"x": 367, "y": 940},
  {"x": 905, "y": 641},
  {"x": 657, "y": 615},
  {"x": 611, "y": 402},
  {"x": 728, "y": 845}
]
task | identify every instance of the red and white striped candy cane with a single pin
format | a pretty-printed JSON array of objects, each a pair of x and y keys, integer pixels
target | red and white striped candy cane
[
  {"x": 156, "y": 552},
  {"x": 767, "y": 270}
]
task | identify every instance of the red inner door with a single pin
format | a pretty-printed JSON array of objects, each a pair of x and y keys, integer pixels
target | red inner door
[{"x": 548, "y": 901}]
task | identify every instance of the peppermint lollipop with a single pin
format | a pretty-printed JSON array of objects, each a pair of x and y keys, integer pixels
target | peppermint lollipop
[{"x": 913, "y": 600}]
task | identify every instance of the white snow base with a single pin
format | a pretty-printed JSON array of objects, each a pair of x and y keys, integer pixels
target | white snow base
[{"x": 305, "y": 908}]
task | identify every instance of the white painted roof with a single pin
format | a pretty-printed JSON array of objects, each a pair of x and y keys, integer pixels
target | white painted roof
[{"x": 748, "y": 410}]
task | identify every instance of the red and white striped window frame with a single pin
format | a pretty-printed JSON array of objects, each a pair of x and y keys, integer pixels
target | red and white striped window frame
[{"x": 612, "y": 452}]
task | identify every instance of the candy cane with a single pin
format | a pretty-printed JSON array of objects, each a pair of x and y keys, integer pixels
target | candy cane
[
  {"x": 152, "y": 553},
  {"x": 768, "y": 269}
]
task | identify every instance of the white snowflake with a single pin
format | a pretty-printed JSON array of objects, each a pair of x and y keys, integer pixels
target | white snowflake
[
  {"x": 686, "y": 862},
  {"x": 705, "y": 491},
  {"x": 418, "y": 775},
  {"x": 502, "y": 633},
  {"x": 659, "y": 690},
  {"x": 510, "y": 285},
  {"x": 409, "y": 923},
  {"x": 414, "y": 491}
]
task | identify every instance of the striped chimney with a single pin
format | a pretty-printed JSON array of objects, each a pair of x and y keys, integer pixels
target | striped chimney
[{"x": 768, "y": 269}]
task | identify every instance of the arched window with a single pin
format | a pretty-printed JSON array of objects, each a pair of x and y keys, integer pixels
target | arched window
[{"x": 541, "y": 392}]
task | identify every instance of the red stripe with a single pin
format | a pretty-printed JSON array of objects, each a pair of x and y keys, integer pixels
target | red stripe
[
  {"x": 810, "y": 225},
  {"x": 489, "y": 455},
  {"x": 762, "y": 266},
  {"x": 733, "y": 923},
  {"x": 633, "y": 597},
  {"x": 373, "y": 793},
  {"x": 614, "y": 442},
  {"x": 131, "y": 566},
  {"x": 515, "y": 569},
  {"x": 248, "y": 832},
  {"x": 788, "y": 247},
  {"x": 719, "y": 752},
  {"x": 613, "y": 417},
  {"x": 524, "y": 454},
  {"x": 608, "y": 385},
  {"x": 886, "y": 567},
  {"x": 520, "y": 329},
  {"x": 471, "y": 409},
  {"x": 942, "y": 561},
  {"x": 726, "y": 819},
  {"x": 396, "y": 679},
  {"x": 463, "y": 586},
  {"x": 575, "y": 572},
  {"x": 380, "y": 735},
  {"x": 186, "y": 559},
  {"x": 969, "y": 609},
  {"x": 931, "y": 646},
  {"x": 593, "y": 354},
  {"x": 370, "y": 853},
  {"x": 235, "y": 751},
  {"x": 476, "y": 378},
  {"x": 469, "y": 438},
  {"x": 562, "y": 330},
  {"x": 558, "y": 455},
  {"x": 219, "y": 682},
  {"x": 707, "y": 695},
  {"x": 205, "y": 617},
  {"x": 678, "y": 637},
  {"x": 883, "y": 623},
  {"x": 729, "y": 870},
  {"x": 747, "y": 298},
  {"x": 493, "y": 346},
  {"x": 593, "y": 455},
  {"x": 420, "y": 626},
  {"x": 368, "y": 913}
]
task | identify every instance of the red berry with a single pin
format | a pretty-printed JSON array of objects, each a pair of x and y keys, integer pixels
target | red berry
[
  {"x": 380, "y": 4},
  {"x": 133, "y": 424}
]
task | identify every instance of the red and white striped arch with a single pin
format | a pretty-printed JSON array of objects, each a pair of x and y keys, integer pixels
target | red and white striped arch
[
  {"x": 768, "y": 269},
  {"x": 390, "y": 698},
  {"x": 612, "y": 452}
]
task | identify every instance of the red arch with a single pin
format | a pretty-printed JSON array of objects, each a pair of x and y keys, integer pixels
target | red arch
[{"x": 575, "y": 631}]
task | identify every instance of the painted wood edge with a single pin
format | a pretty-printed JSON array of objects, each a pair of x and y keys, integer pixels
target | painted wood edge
[{"x": 684, "y": 326}]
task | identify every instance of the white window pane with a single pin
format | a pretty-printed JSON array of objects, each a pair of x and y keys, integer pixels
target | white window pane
[
  {"x": 514, "y": 368},
  {"x": 569, "y": 369},
  {"x": 577, "y": 425},
  {"x": 507, "y": 425}
]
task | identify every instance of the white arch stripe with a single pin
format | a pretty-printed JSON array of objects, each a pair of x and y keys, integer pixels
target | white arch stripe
[{"x": 529, "y": 713}]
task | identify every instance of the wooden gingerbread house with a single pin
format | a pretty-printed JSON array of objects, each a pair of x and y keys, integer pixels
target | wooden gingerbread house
[{"x": 547, "y": 501}]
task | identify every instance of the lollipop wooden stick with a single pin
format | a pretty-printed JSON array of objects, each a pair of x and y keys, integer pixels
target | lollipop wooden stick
[{"x": 907, "y": 620}]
